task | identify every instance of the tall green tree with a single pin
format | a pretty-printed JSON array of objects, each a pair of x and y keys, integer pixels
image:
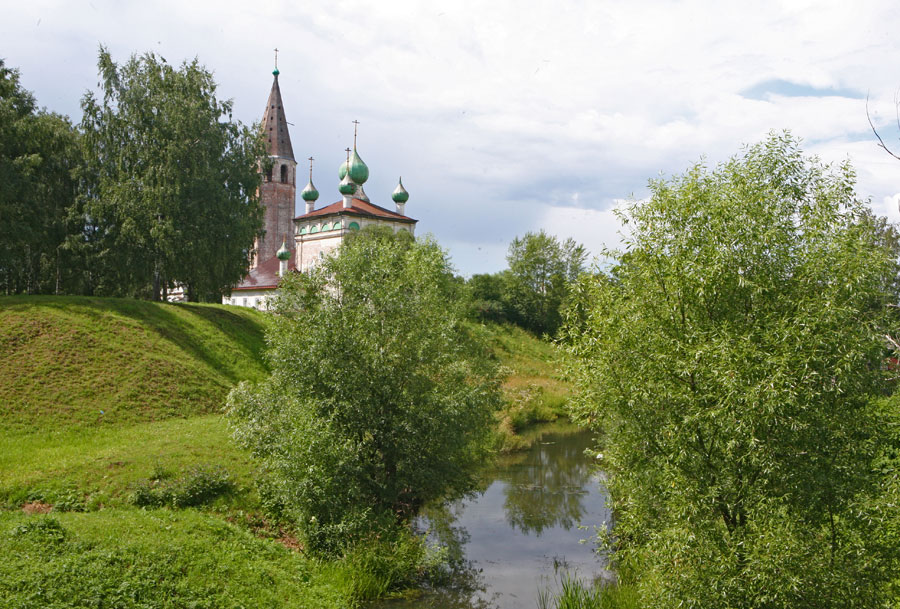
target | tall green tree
[
  {"x": 730, "y": 361},
  {"x": 540, "y": 271},
  {"x": 379, "y": 401},
  {"x": 170, "y": 193},
  {"x": 38, "y": 158}
]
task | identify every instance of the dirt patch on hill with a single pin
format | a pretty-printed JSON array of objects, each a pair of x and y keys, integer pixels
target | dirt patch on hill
[{"x": 36, "y": 507}]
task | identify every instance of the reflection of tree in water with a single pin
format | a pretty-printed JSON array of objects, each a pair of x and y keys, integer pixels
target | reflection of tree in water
[
  {"x": 547, "y": 488},
  {"x": 462, "y": 585},
  {"x": 541, "y": 488}
]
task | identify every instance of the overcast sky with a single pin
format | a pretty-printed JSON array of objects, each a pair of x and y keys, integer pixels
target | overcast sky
[{"x": 507, "y": 116}]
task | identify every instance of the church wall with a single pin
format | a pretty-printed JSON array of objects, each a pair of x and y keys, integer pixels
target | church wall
[
  {"x": 312, "y": 248},
  {"x": 255, "y": 299}
]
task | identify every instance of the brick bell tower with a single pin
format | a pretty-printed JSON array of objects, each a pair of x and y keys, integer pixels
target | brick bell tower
[{"x": 278, "y": 191}]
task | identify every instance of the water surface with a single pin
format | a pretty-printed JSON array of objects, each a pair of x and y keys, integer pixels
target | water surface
[{"x": 534, "y": 518}]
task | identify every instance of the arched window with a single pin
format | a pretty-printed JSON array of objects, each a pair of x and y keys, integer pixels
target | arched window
[
  {"x": 337, "y": 225},
  {"x": 303, "y": 231},
  {"x": 284, "y": 174},
  {"x": 269, "y": 174},
  {"x": 314, "y": 229},
  {"x": 353, "y": 226}
]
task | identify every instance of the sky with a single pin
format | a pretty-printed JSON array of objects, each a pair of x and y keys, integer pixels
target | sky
[{"x": 505, "y": 116}]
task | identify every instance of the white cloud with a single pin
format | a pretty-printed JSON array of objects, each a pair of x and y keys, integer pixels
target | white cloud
[
  {"x": 496, "y": 113},
  {"x": 597, "y": 230}
]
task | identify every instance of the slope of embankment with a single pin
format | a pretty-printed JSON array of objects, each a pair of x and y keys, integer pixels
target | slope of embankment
[{"x": 70, "y": 361}]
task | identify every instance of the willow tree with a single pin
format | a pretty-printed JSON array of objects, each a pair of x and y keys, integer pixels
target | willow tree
[
  {"x": 730, "y": 359},
  {"x": 379, "y": 400},
  {"x": 170, "y": 189}
]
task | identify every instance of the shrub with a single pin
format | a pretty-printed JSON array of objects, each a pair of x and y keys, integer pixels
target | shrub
[
  {"x": 379, "y": 400},
  {"x": 46, "y": 530},
  {"x": 197, "y": 486}
]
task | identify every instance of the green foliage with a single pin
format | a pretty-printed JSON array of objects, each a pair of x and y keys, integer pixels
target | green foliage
[
  {"x": 46, "y": 531},
  {"x": 378, "y": 566},
  {"x": 197, "y": 486},
  {"x": 65, "y": 499},
  {"x": 39, "y": 154},
  {"x": 573, "y": 593},
  {"x": 170, "y": 186},
  {"x": 533, "y": 290},
  {"x": 730, "y": 360},
  {"x": 379, "y": 400},
  {"x": 487, "y": 292}
]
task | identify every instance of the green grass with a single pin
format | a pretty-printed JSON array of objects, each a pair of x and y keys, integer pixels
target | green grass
[
  {"x": 105, "y": 464},
  {"x": 533, "y": 389},
  {"x": 70, "y": 362},
  {"x": 573, "y": 593},
  {"x": 154, "y": 559}
]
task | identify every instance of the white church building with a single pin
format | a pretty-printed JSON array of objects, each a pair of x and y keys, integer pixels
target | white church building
[{"x": 306, "y": 239}]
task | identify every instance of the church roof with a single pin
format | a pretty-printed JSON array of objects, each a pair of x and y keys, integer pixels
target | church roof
[
  {"x": 358, "y": 207},
  {"x": 278, "y": 140},
  {"x": 264, "y": 276}
]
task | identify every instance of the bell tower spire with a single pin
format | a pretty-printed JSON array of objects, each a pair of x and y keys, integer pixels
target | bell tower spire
[
  {"x": 278, "y": 191},
  {"x": 278, "y": 140}
]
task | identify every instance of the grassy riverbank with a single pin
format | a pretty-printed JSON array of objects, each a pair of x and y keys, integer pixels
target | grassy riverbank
[
  {"x": 102, "y": 400},
  {"x": 533, "y": 389}
]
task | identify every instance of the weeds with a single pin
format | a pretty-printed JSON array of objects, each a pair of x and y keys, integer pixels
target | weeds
[
  {"x": 573, "y": 593},
  {"x": 198, "y": 486}
]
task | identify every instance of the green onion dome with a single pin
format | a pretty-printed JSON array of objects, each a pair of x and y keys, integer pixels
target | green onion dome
[
  {"x": 283, "y": 252},
  {"x": 309, "y": 193},
  {"x": 359, "y": 172},
  {"x": 400, "y": 195},
  {"x": 347, "y": 186},
  {"x": 342, "y": 170}
]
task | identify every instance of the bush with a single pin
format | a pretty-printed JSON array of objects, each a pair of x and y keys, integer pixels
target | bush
[
  {"x": 573, "y": 593},
  {"x": 44, "y": 530},
  {"x": 197, "y": 486},
  {"x": 379, "y": 399},
  {"x": 378, "y": 566}
]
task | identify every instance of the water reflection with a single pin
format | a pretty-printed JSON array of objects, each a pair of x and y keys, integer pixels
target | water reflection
[
  {"x": 506, "y": 543},
  {"x": 548, "y": 488}
]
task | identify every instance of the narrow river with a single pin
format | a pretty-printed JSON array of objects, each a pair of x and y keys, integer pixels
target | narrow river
[{"x": 534, "y": 520}]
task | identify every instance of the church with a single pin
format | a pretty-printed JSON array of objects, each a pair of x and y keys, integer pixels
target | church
[{"x": 289, "y": 243}]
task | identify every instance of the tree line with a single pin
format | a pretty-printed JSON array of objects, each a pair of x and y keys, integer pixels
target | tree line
[
  {"x": 534, "y": 290},
  {"x": 156, "y": 187}
]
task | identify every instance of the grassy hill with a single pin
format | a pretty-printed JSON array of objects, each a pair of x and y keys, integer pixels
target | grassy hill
[
  {"x": 98, "y": 393},
  {"x": 101, "y": 398},
  {"x": 72, "y": 362}
]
